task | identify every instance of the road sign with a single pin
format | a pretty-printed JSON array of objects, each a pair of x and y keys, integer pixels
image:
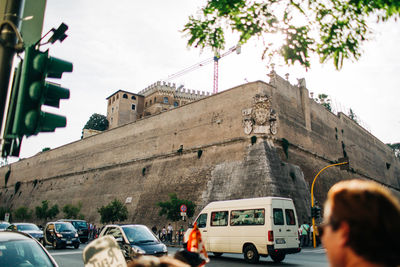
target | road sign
[
  {"x": 183, "y": 214},
  {"x": 183, "y": 208},
  {"x": 7, "y": 217}
]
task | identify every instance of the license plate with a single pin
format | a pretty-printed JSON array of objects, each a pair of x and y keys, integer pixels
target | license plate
[
  {"x": 69, "y": 242},
  {"x": 280, "y": 241}
]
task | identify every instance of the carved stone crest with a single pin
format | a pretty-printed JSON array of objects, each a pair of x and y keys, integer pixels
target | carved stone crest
[{"x": 260, "y": 118}]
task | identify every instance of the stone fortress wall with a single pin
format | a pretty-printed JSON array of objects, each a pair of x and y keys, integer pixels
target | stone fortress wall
[{"x": 143, "y": 160}]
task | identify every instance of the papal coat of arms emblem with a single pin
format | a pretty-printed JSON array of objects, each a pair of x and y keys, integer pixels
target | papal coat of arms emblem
[{"x": 261, "y": 118}]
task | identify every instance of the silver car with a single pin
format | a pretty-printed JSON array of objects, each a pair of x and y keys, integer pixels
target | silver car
[{"x": 20, "y": 249}]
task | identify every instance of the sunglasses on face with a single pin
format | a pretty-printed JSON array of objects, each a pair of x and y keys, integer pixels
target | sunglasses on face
[{"x": 321, "y": 228}]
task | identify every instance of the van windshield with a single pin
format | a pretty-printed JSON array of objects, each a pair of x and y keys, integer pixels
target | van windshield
[{"x": 202, "y": 220}]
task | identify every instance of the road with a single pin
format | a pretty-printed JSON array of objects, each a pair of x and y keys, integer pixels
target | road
[{"x": 71, "y": 257}]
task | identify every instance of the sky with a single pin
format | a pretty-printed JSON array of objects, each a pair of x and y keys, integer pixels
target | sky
[{"x": 130, "y": 44}]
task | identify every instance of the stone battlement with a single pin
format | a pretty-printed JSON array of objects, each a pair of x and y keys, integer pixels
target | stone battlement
[{"x": 170, "y": 88}]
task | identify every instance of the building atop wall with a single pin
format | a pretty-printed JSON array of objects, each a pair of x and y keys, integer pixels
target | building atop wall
[{"x": 124, "y": 107}]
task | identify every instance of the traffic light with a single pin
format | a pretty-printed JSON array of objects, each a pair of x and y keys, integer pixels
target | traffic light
[
  {"x": 315, "y": 212},
  {"x": 344, "y": 166},
  {"x": 34, "y": 91},
  {"x": 30, "y": 91}
]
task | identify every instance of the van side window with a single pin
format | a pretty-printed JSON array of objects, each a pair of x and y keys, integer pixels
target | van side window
[
  {"x": 219, "y": 218},
  {"x": 290, "y": 219},
  {"x": 247, "y": 217},
  {"x": 278, "y": 217},
  {"x": 202, "y": 220}
]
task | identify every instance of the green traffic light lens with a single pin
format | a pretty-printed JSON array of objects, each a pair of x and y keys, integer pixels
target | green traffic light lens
[
  {"x": 31, "y": 120},
  {"x": 35, "y": 90}
]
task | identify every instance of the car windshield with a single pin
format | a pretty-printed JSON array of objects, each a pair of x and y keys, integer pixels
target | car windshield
[
  {"x": 79, "y": 225},
  {"x": 139, "y": 234},
  {"x": 23, "y": 252},
  {"x": 4, "y": 226},
  {"x": 27, "y": 227},
  {"x": 64, "y": 227}
]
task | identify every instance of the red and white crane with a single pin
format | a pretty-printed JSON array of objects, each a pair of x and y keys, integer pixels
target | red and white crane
[{"x": 214, "y": 59}]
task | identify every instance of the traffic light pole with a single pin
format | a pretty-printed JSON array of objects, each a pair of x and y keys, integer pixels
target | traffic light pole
[
  {"x": 312, "y": 196},
  {"x": 8, "y": 40}
]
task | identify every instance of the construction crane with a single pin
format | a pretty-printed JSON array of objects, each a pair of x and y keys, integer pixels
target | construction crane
[{"x": 214, "y": 59}]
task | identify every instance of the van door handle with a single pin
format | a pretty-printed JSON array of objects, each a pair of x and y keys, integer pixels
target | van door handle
[
  {"x": 288, "y": 230},
  {"x": 204, "y": 231}
]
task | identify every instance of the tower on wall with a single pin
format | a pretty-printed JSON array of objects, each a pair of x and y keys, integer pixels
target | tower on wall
[{"x": 123, "y": 107}]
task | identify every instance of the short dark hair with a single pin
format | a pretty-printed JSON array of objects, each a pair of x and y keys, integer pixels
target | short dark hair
[{"x": 373, "y": 216}]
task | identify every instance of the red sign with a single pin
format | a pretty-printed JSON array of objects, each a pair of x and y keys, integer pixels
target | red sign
[{"x": 183, "y": 208}]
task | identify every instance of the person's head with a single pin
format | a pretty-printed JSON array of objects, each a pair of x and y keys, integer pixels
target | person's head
[{"x": 361, "y": 219}]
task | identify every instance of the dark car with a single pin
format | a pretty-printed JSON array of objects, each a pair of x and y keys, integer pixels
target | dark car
[
  {"x": 60, "y": 234},
  {"x": 81, "y": 226},
  {"x": 20, "y": 249},
  {"x": 135, "y": 239},
  {"x": 29, "y": 228}
]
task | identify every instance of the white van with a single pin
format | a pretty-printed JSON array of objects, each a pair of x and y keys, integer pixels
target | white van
[{"x": 255, "y": 227}]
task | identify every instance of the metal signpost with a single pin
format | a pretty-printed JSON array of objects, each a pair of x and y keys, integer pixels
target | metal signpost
[{"x": 183, "y": 209}]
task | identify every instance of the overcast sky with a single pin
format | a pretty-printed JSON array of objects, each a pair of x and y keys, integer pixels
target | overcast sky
[{"x": 128, "y": 45}]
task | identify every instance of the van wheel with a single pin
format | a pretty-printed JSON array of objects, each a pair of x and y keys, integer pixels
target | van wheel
[
  {"x": 217, "y": 254},
  {"x": 250, "y": 254},
  {"x": 76, "y": 246},
  {"x": 278, "y": 257}
]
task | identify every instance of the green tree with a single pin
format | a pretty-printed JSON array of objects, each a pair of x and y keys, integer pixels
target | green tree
[
  {"x": 23, "y": 214},
  {"x": 72, "y": 211},
  {"x": 97, "y": 122},
  {"x": 396, "y": 149},
  {"x": 325, "y": 101},
  {"x": 171, "y": 208},
  {"x": 43, "y": 212},
  {"x": 332, "y": 29},
  {"x": 113, "y": 212}
]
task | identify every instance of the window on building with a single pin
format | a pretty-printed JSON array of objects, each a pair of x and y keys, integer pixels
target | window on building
[
  {"x": 219, "y": 218},
  {"x": 117, "y": 96},
  {"x": 150, "y": 101},
  {"x": 165, "y": 100},
  {"x": 176, "y": 104},
  {"x": 109, "y": 102},
  {"x": 145, "y": 104},
  {"x": 125, "y": 96},
  {"x": 133, "y": 97},
  {"x": 155, "y": 100},
  {"x": 133, "y": 106},
  {"x": 113, "y": 99},
  {"x": 112, "y": 110}
]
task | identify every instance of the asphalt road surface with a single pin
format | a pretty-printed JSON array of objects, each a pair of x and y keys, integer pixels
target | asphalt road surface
[{"x": 70, "y": 257}]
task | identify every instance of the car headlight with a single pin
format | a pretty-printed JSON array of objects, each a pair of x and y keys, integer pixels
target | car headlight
[
  {"x": 76, "y": 235},
  {"x": 165, "y": 249},
  {"x": 138, "y": 250},
  {"x": 59, "y": 235}
]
